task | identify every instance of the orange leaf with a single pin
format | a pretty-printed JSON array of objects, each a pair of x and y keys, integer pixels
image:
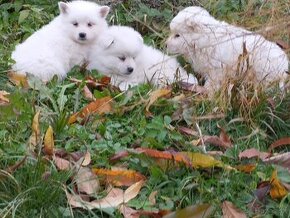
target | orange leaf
[
  {"x": 48, "y": 142},
  {"x": 100, "y": 106},
  {"x": 18, "y": 79},
  {"x": 178, "y": 157},
  {"x": 283, "y": 141},
  {"x": 230, "y": 211},
  {"x": 277, "y": 190},
  {"x": 119, "y": 177},
  {"x": 153, "y": 96},
  {"x": 246, "y": 168}
]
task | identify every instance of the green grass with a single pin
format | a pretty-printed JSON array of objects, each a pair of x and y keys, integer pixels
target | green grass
[{"x": 24, "y": 193}]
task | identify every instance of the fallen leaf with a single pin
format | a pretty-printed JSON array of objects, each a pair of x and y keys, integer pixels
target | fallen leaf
[
  {"x": 61, "y": 164},
  {"x": 278, "y": 143},
  {"x": 280, "y": 159},
  {"x": 48, "y": 142},
  {"x": 119, "y": 156},
  {"x": 3, "y": 99},
  {"x": 248, "y": 168},
  {"x": 262, "y": 190},
  {"x": 188, "y": 131},
  {"x": 87, "y": 159},
  {"x": 86, "y": 181},
  {"x": 35, "y": 136},
  {"x": 216, "y": 141},
  {"x": 152, "y": 198},
  {"x": 128, "y": 212},
  {"x": 114, "y": 198},
  {"x": 199, "y": 160},
  {"x": 18, "y": 79},
  {"x": 88, "y": 94},
  {"x": 225, "y": 138},
  {"x": 251, "y": 153},
  {"x": 231, "y": 211},
  {"x": 197, "y": 211},
  {"x": 174, "y": 156},
  {"x": 100, "y": 106},
  {"x": 153, "y": 96},
  {"x": 119, "y": 177},
  {"x": 277, "y": 190}
]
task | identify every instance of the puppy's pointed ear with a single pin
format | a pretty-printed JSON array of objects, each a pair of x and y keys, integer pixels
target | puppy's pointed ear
[
  {"x": 63, "y": 7},
  {"x": 104, "y": 10}
]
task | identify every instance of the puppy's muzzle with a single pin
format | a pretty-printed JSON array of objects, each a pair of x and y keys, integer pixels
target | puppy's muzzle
[
  {"x": 82, "y": 36},
  {"x": 129, "y": 70}
]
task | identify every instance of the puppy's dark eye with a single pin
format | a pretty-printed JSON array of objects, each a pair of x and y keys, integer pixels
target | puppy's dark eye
[
  {"x": 90, "y": 24},
  {"x": 122, "y": 58},
  {"x": 177, "y": 35},
  {"x": 75, "y": 24}
]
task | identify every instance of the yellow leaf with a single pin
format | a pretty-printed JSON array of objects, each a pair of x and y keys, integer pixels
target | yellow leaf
[
  {"x": 199, "y": 160},
  {"x": 155, "y": 95},
  {"x": 48, "y": 142},
  {"x": 18, "y": 79},
  {"x": 277, "y": 190},
  {"x": 99, "y": 106},
  {"x": 197, "y": 211},
  {"x": 35, "y": 136}
]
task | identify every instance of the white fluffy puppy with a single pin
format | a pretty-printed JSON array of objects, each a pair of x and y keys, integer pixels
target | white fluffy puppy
[
  {"x": 217, "y": 49},
  {"x": 121, "y": 54},
  {"x": 63, "y": 43}
]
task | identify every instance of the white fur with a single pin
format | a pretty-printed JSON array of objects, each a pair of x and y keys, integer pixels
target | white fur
[
  {"x": 121, "y": 48},
  {"x": 58, "y": 46},
  {"x": 214, "y": 47}
]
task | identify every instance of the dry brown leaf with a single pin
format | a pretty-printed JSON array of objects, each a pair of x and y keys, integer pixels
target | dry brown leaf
[
  {"x": 278, "y": 143},
  {"x": 225, "y": 138},
  {"x": 128, "y": 212},
  {"x": 87, "y": 159},
  {"x": 153, "y": 96},
  {"x": 197, "y": 211},
  {"x": 61, "y": 164},
  {"x": 152, "y": 198},
  {"x": 100, "y": 106},
  {"x": 262, "y": 190},
  {"x": 251, "y": 153},
  {"x": 119, "y": 177},
  {"x": 48, "y": 142},
  {"x": 86, "y": 181},
  {"x": 114, "y": 198},
  {"x": 88, "y": 94},
  {"x": 280, "y": 159},
  {"x": 3, "y": 99},
  {"x": 119, "y": 156},
  {"x": 35, "y": 136},
  {"x": 216, "y": 141},
  {"x": 18, "y": 79},
  {"x": 231, "y": 211},
  {"x": 188, "y": 131},
  {"x": 248, "y": 168},
  {"x": 277, "y": 190}
]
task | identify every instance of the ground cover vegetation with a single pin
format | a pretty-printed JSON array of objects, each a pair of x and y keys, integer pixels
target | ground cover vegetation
[{"x": 82, "y": 148}]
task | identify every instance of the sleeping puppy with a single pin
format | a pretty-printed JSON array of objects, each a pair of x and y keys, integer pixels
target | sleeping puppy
[
  {"x": 218, "y": 50},
  {"x": 121, "y": 54}
]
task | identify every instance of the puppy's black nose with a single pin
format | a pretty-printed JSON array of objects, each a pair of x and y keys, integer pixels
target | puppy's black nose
[
  {"x": 82, "y": 35},
  {"x": 130, "y": 69}
]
